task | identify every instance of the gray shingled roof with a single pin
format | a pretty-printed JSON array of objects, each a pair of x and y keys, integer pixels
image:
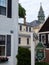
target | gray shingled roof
[{"x": 35, "y": 23}]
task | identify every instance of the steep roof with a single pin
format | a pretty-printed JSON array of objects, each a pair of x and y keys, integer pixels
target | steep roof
[
  {"x": 45, "y": 26},
  {"x": 35, "y": 23}
]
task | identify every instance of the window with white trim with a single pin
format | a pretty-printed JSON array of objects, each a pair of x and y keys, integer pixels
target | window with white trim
[
  {"x": 5, "y": 45},
  {"x": 6, "y": 8}
]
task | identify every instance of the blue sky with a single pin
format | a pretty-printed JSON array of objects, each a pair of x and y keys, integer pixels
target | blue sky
[{"x": 32, "y": 8}]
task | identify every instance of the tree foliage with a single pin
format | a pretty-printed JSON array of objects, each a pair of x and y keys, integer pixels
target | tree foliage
[
  {"x": 24, "y": 56},
  {"x": 22, "y": 11}
]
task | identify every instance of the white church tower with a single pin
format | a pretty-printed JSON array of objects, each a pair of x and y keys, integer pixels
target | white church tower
[{"x": 8, "y": 31}]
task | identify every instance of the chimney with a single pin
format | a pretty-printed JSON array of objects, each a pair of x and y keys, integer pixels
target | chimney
[{"x": 24, "y": 20}]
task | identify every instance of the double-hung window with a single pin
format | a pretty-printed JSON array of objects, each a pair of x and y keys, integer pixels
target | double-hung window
[
  {"x": 2, "y": 45},
  {"x": 5, "y": 45},
  {"x": 6, "y": 8}
]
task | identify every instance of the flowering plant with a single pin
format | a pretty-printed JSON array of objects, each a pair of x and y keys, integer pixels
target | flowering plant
[{"x": 3, "y": 59}]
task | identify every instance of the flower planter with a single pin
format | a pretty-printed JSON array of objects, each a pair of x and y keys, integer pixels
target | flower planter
[{"x": 3, "y": 59}]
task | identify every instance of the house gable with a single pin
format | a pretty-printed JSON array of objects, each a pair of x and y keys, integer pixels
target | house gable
[{"x": 45, "y": 27}]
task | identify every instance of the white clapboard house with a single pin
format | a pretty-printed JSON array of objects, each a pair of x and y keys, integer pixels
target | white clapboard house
[{"x": 8, "y": 31}]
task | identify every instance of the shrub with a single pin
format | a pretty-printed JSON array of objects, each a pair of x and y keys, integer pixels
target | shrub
[{"x": 24, "y": 56}]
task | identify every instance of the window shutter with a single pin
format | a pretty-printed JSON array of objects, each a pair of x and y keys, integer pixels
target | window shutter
[
  {"x": 9, "y": 8},
  {"x": 8, "y": 52}
]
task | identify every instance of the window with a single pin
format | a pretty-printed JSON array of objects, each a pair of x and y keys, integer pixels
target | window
[
  {"x": 48, "y": 38},
  {"x": 27, "y": 40},
  {"x": 3, "y": 7},
  {"x": 2, "y": 45},
  {"x": 26, "y": 28},
  {"x": 5, "y": 45},
  {"x": 29, "y": 29},
  {"x": 43, "y": 38},
  {"x": 6, "y": 6},
  {"x": 19, "y": 40},
  {"x": 20, "y": 27}
]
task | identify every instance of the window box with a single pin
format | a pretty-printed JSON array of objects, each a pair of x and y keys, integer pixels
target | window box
[{"x": 3, "y": 59}]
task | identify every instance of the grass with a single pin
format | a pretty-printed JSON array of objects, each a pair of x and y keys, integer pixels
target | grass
[{"x": 41, "y": 63}]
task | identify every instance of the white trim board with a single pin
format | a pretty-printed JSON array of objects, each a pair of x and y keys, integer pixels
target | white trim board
[{"x": 43, "y": 32}]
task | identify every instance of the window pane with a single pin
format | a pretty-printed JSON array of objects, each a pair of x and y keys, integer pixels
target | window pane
[
  {"x": 27, "y": 40},
  {"x": 29, "y": 29},
  {"x": 2, "y": 40},
  {"x": 19, "y": 40},
  {"x": 2, "y": 50},
  {"x": 3, "y": 3},
  {"x": 43, "y": 38},
  {"x": 20, "y": 27},
  {"x": 2, "y": 10}
]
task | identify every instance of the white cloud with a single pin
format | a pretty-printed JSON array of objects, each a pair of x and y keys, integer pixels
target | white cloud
[{"x": 32, "y": 8}]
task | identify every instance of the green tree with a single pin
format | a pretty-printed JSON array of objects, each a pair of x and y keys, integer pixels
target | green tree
[
  {"x": 22, "y": 11},
  {"x": 24, "y": 56}
]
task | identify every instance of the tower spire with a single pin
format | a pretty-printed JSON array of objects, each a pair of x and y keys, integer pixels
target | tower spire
[
  {"x": 41, "y": 16},
  {"x": 40, "y": 3}
]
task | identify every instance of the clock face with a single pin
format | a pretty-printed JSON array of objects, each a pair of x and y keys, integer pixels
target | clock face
[{"x": 3, "y": 3}]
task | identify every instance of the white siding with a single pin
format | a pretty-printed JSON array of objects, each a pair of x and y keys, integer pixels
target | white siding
[{"x": 8, "y": 24}]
